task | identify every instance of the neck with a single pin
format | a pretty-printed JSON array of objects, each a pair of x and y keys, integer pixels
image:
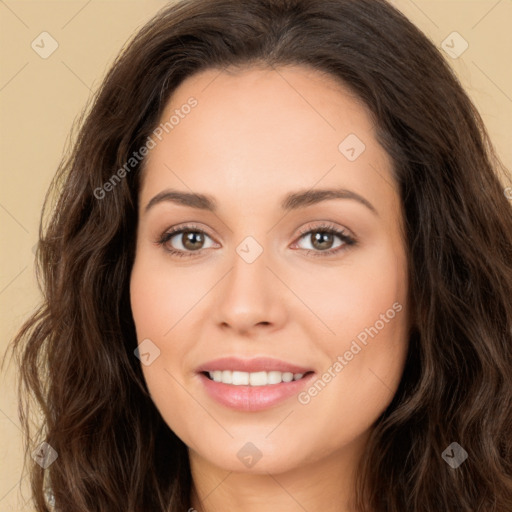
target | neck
[{"x": 325, "y": 484}]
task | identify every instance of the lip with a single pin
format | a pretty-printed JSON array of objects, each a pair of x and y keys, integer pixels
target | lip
[
  {"x": 257, "y": 364},
  {"x": 253, "y": 398}
]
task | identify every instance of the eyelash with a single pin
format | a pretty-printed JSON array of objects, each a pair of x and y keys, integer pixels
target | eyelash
[{"x": 323, "y": 228}]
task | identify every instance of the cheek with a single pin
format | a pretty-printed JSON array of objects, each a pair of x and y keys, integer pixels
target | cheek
[
  {"x": 158, "y": 303},
  {"x": 364, "y": 307},
  {"x": 161, "y": 296},
  {"x": 351, "y": 298},
  {"x": 156, "y": 307}
]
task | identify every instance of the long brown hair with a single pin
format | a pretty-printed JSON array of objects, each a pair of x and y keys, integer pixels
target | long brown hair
[{"x": 115, "y": 452}]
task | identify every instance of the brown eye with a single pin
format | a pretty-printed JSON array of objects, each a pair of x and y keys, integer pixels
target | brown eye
[
  {"x": 322, "y": 240},
  {"x": 192, "y": 240},
  {"x": 325, "y": 241},
  {"x": 185, "y": 241}
]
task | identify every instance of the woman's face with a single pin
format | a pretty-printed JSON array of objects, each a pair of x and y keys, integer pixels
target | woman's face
[{"x": 293, "y": 263}]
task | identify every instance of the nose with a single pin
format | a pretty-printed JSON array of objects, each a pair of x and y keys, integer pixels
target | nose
[{"x": 251, "y": 298}]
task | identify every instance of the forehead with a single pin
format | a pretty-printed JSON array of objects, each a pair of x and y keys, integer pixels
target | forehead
[{"x": 258, "y": 129}]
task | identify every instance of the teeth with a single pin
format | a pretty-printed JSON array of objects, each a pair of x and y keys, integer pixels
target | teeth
[
  {"x": 240, "y": 378},
  {"x": 253, "y": 379}
]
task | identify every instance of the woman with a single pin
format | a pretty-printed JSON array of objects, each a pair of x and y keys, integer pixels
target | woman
[{"x": 278, "y": 275}]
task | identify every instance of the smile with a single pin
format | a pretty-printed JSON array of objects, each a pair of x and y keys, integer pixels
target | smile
[{"x": 251, "y": 385}]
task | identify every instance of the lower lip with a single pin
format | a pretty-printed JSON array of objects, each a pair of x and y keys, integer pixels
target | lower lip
[{"x": 253, "y": 398}]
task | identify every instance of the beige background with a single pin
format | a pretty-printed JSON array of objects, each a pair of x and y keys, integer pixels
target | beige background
[{"x": 40, "y": 98}]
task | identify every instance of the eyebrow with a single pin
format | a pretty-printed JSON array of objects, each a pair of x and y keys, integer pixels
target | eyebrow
[
  {"x": 301, "y": 199},
  {"x": 194, "y": 200},
  {"x": 292, "y": 201}
]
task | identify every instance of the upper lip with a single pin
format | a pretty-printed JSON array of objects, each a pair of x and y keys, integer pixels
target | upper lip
[{"x": 257, "y": 364}]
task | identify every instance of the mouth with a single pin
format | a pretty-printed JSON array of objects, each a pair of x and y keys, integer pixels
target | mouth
[{"x": 251, "y": 385}]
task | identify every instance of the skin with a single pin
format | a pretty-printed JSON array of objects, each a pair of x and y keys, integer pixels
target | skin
[{"x": 255, "y": 136}]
